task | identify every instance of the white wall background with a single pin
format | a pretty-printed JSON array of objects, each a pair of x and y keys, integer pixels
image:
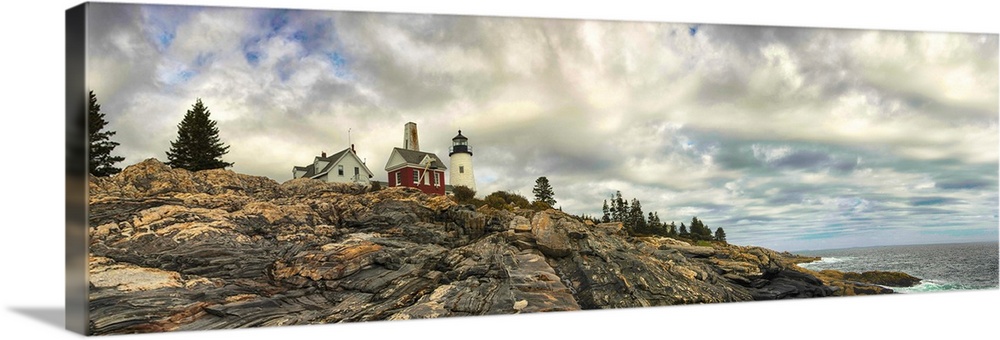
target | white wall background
[{"x": 32, "y": 66}]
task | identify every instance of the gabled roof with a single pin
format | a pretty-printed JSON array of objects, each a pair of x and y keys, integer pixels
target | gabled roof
[
  {"x": 309, "y": 169},
  {"x": 331, "y": 161},
  {"x": 413, "y": 158}
]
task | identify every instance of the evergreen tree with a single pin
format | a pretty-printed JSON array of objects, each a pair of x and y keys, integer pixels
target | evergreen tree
[
  {"x": 684, "y": 231},
  {"x": 654, "y": 224},
  {"x": 672, "y": 229},
  {"x": 607, "y": 213},
  {"x": 543, "y": 191},
  {"x": 197, "y": 146},
  {"x": 611, "y": 208},
  {"x": 615, "y": 210},
  {"x": 720, "y": 235},
  {"x": 620, "y": 207},
  {"x": 636, "y": 218},
  {"x": 101, "y": 161},
  {"x": 699, "y": 230},
  {"x": 706, "y": 232}
]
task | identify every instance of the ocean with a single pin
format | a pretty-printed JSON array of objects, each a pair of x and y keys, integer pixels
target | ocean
[{"x": 943, "y": 267}]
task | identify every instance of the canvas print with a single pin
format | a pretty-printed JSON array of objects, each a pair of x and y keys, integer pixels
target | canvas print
[{"x": 266, "y": 167}]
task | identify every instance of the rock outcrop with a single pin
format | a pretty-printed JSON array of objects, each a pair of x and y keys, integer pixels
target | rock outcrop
[
  {"x": 175, "y": 250},
  {"x": 875, "y": 277}
]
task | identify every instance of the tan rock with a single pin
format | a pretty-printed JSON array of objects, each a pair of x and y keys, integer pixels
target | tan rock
[
  {"x": 105, "y": 272},
  {"x": 550, "y": 238}
]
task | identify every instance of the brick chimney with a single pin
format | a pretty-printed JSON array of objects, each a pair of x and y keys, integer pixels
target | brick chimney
[
  {"x": 323, "y": 154},
  {"x": 410, "y": 140}
]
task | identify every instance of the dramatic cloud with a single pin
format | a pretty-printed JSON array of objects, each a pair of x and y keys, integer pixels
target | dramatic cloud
[{"x": 787, "y": 138}]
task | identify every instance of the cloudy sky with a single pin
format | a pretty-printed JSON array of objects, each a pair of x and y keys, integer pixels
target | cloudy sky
[{"x": 787, "y": 138}]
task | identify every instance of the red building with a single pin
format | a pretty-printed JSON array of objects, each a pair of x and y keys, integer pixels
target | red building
[{"x": 416, "y": 169}]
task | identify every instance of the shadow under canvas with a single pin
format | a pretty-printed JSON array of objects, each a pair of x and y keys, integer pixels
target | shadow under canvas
[{"x": 53, "y": 316}]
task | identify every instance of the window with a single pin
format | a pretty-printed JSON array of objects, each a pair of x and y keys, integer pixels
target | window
[
  {"x": 340, "y": 170},
  {"x": 399, "y": 178},
  {"x": 416, "y": 177},
  {"x": 437, "y": 182},
  {"x": 357, "y": 171},
  {"x": 461, "y": 169}
]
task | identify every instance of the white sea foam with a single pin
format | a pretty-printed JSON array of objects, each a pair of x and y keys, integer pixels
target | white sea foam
[
  {"x": 929, "y": 286},
  {"x": 825, "y": 261},
  {"x": 835, "y": 259}
]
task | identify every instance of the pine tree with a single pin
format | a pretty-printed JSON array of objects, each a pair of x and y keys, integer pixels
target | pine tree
[
  {"x": 614, "y": 210},
  {"x": 101, "y": 161},
  {"x": 197, "y": 146},
  {"x": 543, "y": 191},
  {"x": 720, "y": 235},
  {"x": 607, "y": 213},
  {"x": 620, "y": 208},
  {"x": 699, "y": 230},
  {"x": 672, "y": 229},
  {"x": 684, "y": 230},
  {"x": 636, "y": 218},
  {"x": 654, "y": 225}
]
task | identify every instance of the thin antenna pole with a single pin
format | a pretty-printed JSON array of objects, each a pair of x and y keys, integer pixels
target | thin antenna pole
[{"x": 348, "y": 136}]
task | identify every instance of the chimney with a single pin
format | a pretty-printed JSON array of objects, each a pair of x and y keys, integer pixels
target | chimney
[
  {"x": 352, "y": 149},
  {"x": 323, "y": 154},
  {"x": 410, "y": 140}
]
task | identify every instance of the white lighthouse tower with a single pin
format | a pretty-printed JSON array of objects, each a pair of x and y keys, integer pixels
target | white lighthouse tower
[{"x": 461, "y": 162}]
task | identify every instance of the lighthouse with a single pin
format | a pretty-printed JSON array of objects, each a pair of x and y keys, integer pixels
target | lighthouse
[{"x": 461, "y": 162}]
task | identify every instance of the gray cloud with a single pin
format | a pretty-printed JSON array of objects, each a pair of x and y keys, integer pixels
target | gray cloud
[
  {"x": 966, "y": 184},
  {"x": 932, "y": 200}
]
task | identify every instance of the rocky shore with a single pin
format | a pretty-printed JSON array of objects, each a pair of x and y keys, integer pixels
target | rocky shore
[{"x": 178, "y": 250}]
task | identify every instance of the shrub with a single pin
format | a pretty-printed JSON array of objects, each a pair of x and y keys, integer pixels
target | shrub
[
  {"x": 506, "y": 200},
  {"x": 463, "y": 194},
  {"x": 539, "y": 206}
]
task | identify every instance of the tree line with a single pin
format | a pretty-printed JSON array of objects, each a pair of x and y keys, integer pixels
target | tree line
[
  {"x": 629, "y": 213},
  {"x": 637, "y": 223},
  {"x": 197, "y": 147}
]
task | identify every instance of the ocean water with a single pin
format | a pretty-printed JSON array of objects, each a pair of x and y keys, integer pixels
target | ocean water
[{"x": 943, "y": 267}]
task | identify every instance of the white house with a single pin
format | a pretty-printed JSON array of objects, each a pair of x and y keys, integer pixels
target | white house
[{"x": 342, "y": 167}]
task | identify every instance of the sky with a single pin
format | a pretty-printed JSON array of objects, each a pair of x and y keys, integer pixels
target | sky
[{"x": 788, "y": 138}]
